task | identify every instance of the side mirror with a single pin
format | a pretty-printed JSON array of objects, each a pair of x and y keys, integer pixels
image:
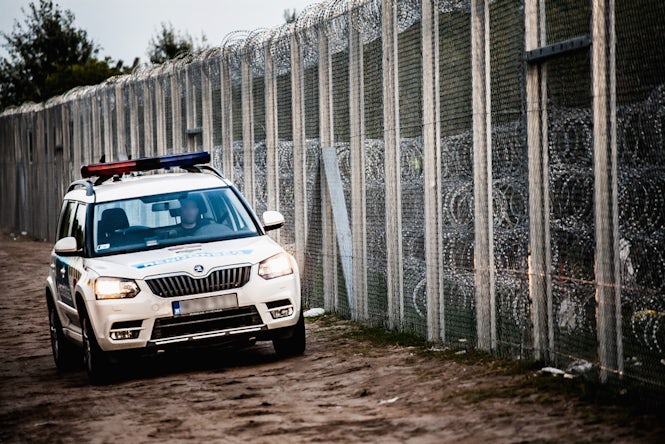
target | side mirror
[
  {"x": 66, "y": 246},
  {"x": 272, "y": 220}
]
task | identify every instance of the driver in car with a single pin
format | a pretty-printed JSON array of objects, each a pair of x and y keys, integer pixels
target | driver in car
[{"x": 191, "y": 218}]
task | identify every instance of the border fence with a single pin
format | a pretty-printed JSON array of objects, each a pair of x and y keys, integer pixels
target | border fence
[{"x": 502, "y": 164}]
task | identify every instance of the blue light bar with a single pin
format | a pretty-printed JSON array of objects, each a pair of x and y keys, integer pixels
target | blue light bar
[{"x": 145, "y": 164}]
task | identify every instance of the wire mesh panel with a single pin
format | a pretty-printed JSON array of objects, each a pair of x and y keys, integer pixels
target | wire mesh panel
[
  {"x": 457, "y": 172},
  {"x": 510, "y": 179},
  {"x": 413, "y": 205},
  {"x": 571, "y": 184},
  {"x": 368, "y": 23},
  {"x": 640, "y": 84}
]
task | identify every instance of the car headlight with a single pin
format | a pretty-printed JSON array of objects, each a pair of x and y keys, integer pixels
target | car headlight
[
  {"x": 275, "y": 266},
  {"x": 115, "y": 288}
]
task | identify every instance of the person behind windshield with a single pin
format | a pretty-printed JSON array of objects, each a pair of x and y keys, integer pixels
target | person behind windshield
[{"x": 191, "y": 218}]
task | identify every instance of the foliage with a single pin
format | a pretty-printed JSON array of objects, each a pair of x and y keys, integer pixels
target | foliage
[
  {"x": 290, "y": 15},
  {"x": 48, "y": 55},
  {"x": 169, "y": 44}
]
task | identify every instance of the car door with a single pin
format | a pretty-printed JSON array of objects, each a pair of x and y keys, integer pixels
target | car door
[{"x": 68, "y": 268}]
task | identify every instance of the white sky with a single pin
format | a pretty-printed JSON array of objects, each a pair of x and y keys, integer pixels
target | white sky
[{"x": 123, "y": 28}]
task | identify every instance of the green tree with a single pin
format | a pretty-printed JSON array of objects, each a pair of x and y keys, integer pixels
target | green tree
[
  {"x": 169, "y": 44},
  {"x": 48, "y": 55},
  {"x": 290, "y": 15}
]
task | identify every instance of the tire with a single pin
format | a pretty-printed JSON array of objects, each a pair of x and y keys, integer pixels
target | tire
[
  {"x": 293, "y": 345},
  {"x": 97, "y": 364},
  {"x": 65, "y": 354}
]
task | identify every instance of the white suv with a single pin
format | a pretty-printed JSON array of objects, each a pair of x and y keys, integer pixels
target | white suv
[{"x": 147, "y": 262}]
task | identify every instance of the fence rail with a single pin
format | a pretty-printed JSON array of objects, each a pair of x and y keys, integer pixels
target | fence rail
[{"x": 502, "y": 163}]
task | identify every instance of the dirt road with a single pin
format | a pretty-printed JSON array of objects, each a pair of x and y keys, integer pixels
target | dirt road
[{"x": 345, "y": 389}]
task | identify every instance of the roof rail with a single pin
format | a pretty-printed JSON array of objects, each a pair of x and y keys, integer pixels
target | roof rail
[
  {"x": 89, "y": 188},
  {"x": 204, "y": 168}
]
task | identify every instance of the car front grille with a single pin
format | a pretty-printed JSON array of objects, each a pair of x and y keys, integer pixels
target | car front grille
[
  {"x": 178, "y": 326},
  {"x": 185, "y": 285}
]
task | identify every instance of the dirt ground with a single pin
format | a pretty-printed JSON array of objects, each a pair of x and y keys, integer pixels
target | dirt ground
[{"x": 346, "y": 388}]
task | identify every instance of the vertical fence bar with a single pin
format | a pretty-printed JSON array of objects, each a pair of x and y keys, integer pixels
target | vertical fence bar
[
  {"x": 134, "y": 122},
  {"x": 329, "y": 244},
  {"x": 357, "y": 136},
  {"x": 482, "y": 168},
  {"x": 605, "y": 190},
  {"x": 393, "y": 191},
  {"x": 227, "y": 118},
  {"x": 160, "y": 113},
  {"x": 536, "y": 115},
  {"x": 247, "y": 102},
  {"x": 272, "y": 155},
  {"x": 299, "y": 152},
  {"x": 120, "y": 118},
  {"x": 206, "y": 107},
  {"x": 95, "y": 141},
  {"x": 148, "y": 110},
  {"x": 76, "y": 136},
  {"x": 107, "y": 140},
  {"x": 432, "y": 172},
  {"x": 176, "y": 113},
  {"x": 190, "y": 109}
]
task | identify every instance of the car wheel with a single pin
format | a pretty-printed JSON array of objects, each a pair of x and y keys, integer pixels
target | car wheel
[
  {"x": 65, "y": 354},
  {"x": 294, "y": 345},
  {"x": 96, "y": 361}
]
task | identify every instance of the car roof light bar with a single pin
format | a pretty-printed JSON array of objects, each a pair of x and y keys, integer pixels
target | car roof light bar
[{"x": 105, "y": 170}]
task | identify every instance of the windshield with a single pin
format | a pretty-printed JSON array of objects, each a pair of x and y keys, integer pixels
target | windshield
[{"x": 170, "y": 219}]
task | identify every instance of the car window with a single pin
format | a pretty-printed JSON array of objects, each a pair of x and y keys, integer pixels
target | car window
[
  {"x": 78, "y": 226},
  {"x": 65, "y": 220},
  {"x": 170, "y": 219}
]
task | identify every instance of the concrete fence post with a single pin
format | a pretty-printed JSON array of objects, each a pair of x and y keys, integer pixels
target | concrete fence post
[
  {"x": 160, "y": 116},
  {"x": 272, "y": 155},
  {"x": 247, "y": 106},
  {"x": 540, "y": 285},
  {"x": 227, "y": 118},
  {"x": 148, "y": 110},
  {"x": 392, "y": 165},
  {"x": 206, "y": 108},
  {"x": 357, "y": 155},
  {"x": 482, "y": 176},
  {"x": 329, "y": 244},
  {"x": 176, "y": 113},
  {"x": 608, "y": 280},
  {"x": 432, "y": 171},
  {"x": 299, "y": 149},
  {"x": 120, "y": 118}
]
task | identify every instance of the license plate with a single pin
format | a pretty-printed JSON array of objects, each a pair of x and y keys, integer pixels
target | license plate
[{"x": 205, "y": 305}]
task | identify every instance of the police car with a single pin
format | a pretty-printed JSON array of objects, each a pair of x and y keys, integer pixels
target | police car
[{"x": 143, "y": 263}]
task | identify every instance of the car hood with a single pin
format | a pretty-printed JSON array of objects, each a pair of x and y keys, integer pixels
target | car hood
[{"x": 183, "y": 258}]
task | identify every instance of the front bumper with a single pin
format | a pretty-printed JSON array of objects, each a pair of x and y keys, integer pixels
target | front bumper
[{"x": 148, "y": 320}]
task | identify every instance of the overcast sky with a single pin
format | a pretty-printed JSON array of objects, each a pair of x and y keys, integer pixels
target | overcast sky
[{"x": 123, "y": 28}]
